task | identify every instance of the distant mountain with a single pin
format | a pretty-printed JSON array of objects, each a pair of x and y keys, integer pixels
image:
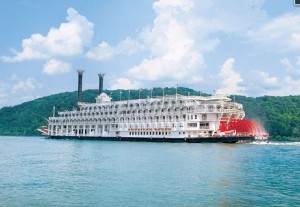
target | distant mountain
[{"x": 279, "y": 115}]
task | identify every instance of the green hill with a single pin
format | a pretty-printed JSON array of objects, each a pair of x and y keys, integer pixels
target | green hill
[{"x": 279, "y": 115}]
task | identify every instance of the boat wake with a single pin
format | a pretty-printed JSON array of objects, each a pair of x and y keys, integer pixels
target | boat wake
[{"x": 276, "y": 143}]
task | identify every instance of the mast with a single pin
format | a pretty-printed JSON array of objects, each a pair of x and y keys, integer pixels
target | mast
[
  {"x": 128, "y": 100},
  {"x": 140, "y": 95},
  {"x": 176, "y": 91}
]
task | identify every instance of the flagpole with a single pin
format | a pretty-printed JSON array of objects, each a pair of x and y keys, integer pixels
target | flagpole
[{"x": 140, "y": 95}]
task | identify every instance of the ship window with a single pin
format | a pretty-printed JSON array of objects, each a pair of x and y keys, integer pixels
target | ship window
[
  {"x": 159, "y": 133},
  {"x": 191, "y": 116},
  {"x": 192, "y": 124},
  {"x": 195, "y": 116},
  {"x": 183, "y": 133}
]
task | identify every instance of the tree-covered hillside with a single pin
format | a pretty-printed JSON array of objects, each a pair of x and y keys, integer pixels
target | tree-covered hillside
[
  {"x": 279, "y": 115},
  {"x": 25, "y": 118}
]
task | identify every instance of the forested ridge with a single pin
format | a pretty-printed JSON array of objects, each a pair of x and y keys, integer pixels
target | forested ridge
[{"x": 280, "y": 115}]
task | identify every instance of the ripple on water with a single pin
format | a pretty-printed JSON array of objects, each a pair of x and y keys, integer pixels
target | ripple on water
[{"x": 43, "y": 172}]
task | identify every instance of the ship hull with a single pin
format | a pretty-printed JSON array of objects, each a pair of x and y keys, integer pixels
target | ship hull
[{"x": 174, "y": 140}]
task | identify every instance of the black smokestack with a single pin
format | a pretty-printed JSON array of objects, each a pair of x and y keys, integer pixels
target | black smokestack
[
  {"x": 79, "y": 92},
  {"x": 101, "y": 75}
]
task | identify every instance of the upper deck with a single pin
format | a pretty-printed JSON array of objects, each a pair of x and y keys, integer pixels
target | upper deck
[{"x": 163, "y": 105}]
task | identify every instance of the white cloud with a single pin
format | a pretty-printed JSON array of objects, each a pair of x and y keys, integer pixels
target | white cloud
[
  {"x": 288, "y": 86},
  {"x": 286, "y": 62},
  {"x": 16, "y": 91},
  {"x": 124, "y": 83},
  {"x": 67, "y": 40},
  {"x": 54, "y": 67},
  {"x": 182, "y": 31},
  {"x": 24, "y": 85},
  {"x": 105, "y": 51},
  {"x": 173, "y": 54},
  {"x": 293, "y": 69},
  {"x": 267, "y": 79},
  {"x": 262, "y": 83},
  {"x": 282, "y": 33},
  {"x": 230, "y": 79},
  {"x": 265, "y": 84},
  {"x": 290, "y": 83}
]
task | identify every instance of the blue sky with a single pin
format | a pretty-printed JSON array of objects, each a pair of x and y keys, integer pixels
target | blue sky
[{"x": 248, "y": 47}]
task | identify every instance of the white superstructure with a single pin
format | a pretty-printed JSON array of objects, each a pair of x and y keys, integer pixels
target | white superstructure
[{"x": 175, "y": 116}]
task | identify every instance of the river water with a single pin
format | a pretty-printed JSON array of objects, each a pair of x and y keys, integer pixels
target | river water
[{"x": 35, "y": 171}]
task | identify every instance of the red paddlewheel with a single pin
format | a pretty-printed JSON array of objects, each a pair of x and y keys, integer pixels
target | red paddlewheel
[{"x": 249, "y": 127}]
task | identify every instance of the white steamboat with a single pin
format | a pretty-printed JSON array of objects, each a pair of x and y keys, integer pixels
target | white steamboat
[{"x": 174, "y": 118}]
